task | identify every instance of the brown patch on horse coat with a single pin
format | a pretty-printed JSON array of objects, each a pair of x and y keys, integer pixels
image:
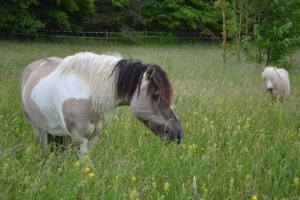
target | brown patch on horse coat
[{"x": 78, "y": 116}]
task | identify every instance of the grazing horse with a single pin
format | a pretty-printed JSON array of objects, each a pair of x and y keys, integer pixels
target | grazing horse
[
  {"x": 276, "y": 82},
  {"x": 73, "y": 96}
]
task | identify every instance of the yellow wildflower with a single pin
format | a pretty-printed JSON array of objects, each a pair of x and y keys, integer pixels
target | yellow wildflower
[
  {"x": 205, "y": 120},
  {"x": 167, "y": 187},
  {"x": 254, "y": 197},
  {"x": 77, "y": 164},
  {"x": 154, "y": 185},
  {"x": 92, "y": 175},
  {"x": 87, "y": 170},
  {"x": 296, "y": 181},
  {"x": 86, "y": 158}
]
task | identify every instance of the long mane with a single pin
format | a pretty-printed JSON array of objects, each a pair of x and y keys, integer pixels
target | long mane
[
  {"x": 270, "y": 73},
  {"x": 130, "y": 73},
  {"x": 111, "y": 77},
  {"x": 96, "y": 71}
]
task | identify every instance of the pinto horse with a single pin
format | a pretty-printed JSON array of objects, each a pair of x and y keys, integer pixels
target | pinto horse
[
  {"x": 73, "y": 97},
  {"x": 276, "y": 82}
]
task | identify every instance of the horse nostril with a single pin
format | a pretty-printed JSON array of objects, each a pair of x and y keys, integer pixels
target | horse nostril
[
  {"x": 179, "y": 135},
  {"x": 270, "y": 89}
]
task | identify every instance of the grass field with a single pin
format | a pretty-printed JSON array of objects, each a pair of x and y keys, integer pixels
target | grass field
[{"x": 237, "y": 144}]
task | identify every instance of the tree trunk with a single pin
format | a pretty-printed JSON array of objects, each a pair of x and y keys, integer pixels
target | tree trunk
[
  {"x": 224, "y": 30},
  {"x": 238, "y": 58}
]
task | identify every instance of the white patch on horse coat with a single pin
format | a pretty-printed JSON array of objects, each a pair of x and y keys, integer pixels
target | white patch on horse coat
[
  {"x": 95, "y": 69},
  {"x": 42, "y": 63},
  {"x": 50, "y": 94}
]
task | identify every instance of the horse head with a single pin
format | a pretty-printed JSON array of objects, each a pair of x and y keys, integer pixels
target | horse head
[
  {"x": 270, "y": 79},
  {"x": 150, "y": 101}
]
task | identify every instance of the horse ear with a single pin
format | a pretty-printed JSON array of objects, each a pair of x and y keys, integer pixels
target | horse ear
[{"x": 150, "y": 71}]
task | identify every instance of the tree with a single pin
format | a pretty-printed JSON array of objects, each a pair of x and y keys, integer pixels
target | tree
[
  {"x": 132, "y": 14},
  {"x": 174, "y": 15},
  {"x": 210, "y": 18},
  {"x": 15, "y": 17},
  {"x": 67, "y": 15},
  {"x": 279, "y": 29},
  {"x": 268, "y": 31},
  {"x": 224, "y": 30}
]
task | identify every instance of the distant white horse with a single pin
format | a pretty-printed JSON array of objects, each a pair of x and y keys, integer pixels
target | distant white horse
[{"x": 276, "y": 81}]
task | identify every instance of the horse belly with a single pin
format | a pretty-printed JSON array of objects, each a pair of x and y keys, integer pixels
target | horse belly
[{"x": 53, "y": 124}]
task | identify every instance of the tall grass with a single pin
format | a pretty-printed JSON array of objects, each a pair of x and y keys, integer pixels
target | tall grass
[{"x": 237, "y": 144}]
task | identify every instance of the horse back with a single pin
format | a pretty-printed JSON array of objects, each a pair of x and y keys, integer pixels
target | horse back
[
  {"x": 39, "y": 69},
  {"x": 284, "y": 76},
  {"x": 283, "y": 72}
]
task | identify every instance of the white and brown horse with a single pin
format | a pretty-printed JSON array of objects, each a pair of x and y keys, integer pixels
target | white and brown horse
[
  {"x": 276, "y": 82},
  {"x": 73, "y": 96}
]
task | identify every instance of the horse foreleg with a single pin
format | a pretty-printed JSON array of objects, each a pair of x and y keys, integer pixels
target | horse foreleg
[
  {"x": 92, "y": 142},
  {"x": 82, "y": 151},
  {"x": 82, "y": 145}
]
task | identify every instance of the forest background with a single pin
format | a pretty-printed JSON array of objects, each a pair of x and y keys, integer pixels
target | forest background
[{"x": 266, "y": 31}]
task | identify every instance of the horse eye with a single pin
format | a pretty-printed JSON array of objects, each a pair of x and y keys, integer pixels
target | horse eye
[{"x": 155, "y": 96}]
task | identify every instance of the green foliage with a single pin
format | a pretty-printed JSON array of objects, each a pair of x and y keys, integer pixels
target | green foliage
[
  {"x": 268, "y": 31},
  {"x": 167, "y": 39},
  {"x": 68, "y": 15},
  {"x": 120, "y": 3},
  {"x": 210, "y": 15},
  {"x": 237, "y": 144},
  {"x": 175, "y": 14},
  {"x": 15, "y": 17},
  {"x": 130, "y": 37},
  {"x": 59, "y": 19},
  {"x": 277, "y": 33}
]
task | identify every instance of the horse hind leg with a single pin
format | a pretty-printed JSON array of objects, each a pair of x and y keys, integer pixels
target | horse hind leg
[{"x": 41, "y": 139}]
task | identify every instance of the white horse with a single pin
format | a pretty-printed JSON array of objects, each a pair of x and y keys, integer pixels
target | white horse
[
  {"x": 73, "y": 97},
  {"x": 276, "y": 82}
]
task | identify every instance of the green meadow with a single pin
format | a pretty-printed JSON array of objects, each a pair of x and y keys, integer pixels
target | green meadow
[{"x": 237, "y": 144}]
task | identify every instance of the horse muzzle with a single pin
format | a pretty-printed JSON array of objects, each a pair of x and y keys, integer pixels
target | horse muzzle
[
  {"x": 174, "y": 136},
  {"x": 179, "y": 137},
  {"x": 270, "y": 90}
]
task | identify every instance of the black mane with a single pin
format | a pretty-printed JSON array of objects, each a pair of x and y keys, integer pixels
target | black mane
[{"x": 130, "y": 74}]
